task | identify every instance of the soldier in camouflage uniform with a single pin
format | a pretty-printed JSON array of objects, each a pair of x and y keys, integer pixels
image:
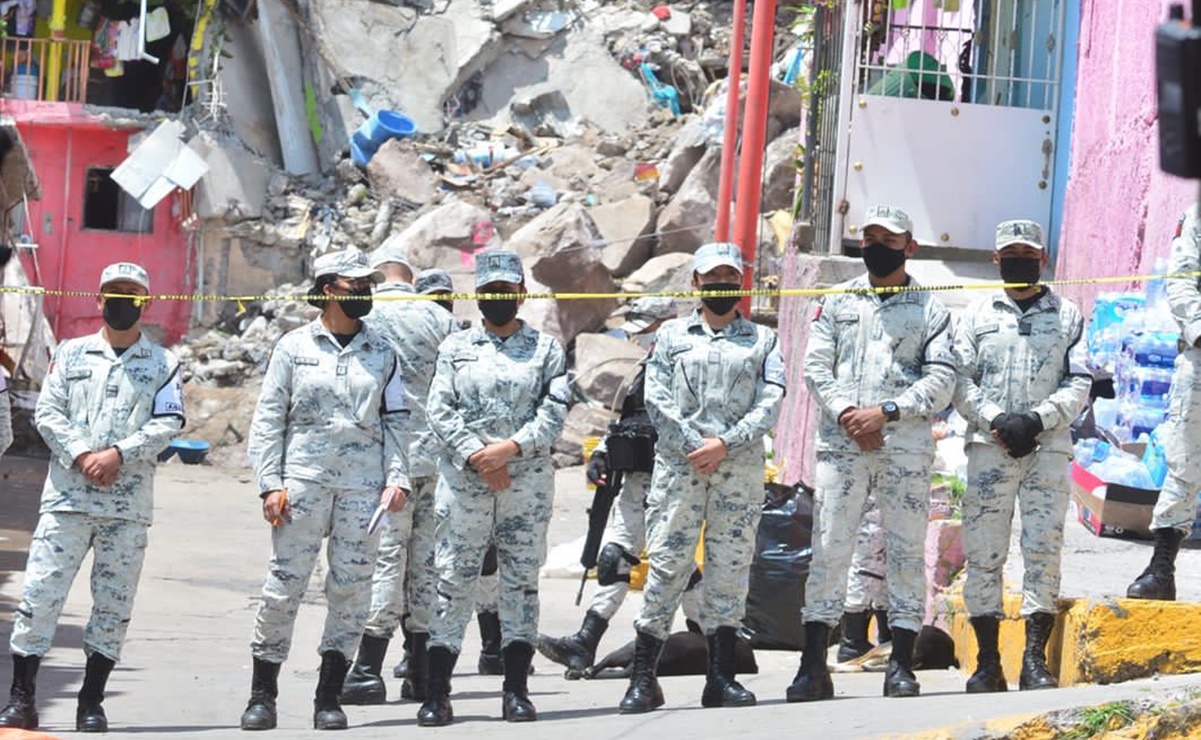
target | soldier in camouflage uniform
[
  {"x": 110, "y": 404},
  {"x": 1172, "y": 519},
  {"x": 6, "y": 420},
  {"x": 879, "y": 364},
  {"x": 328, "y": 445},
  {"x": 414, "y": 328},
  {"x": 867, "y": 592},
  {"x": 625, "y": 535},
  {"x": 1023, "y": 379},
  {"x": 714, "y": 383},
  {"x": 497, "y": 403}
]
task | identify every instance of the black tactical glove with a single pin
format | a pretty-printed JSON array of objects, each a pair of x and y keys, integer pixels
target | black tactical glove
[
  {"x": 598, "y": 468},
  {"x": 1019, "y": 432}
]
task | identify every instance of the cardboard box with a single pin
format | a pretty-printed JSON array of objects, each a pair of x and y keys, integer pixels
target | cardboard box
[{"x": 1111, "y": 509}]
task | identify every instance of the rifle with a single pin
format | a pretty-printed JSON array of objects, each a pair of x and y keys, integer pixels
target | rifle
[{"x": 598, "y": 518}]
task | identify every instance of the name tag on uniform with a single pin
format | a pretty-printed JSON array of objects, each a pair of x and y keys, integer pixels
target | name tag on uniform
[
  {"x": 110, "y": 391},
  {"x": 306, "y": 361}
]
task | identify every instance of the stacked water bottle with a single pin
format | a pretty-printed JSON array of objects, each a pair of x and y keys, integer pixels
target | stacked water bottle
[{"x": 1134, "y": 337}]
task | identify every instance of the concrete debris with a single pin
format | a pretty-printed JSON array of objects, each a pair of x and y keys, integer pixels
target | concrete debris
[
  {"x": 687, "y": 221},
  {"x": 583, "y": 420},
  {"x": 398, "y": 171},
  {"x": 780, "y": 172},
  {"x": 627, "y": 228},
  {"x": 666, "y": 273},
  {"x": 605, "y": 365}
]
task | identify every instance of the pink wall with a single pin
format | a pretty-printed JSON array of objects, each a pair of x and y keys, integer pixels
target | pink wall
[{"x": 1120, "y": 211}]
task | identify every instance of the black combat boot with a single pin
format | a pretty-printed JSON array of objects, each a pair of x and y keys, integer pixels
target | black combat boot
[
  {"x": 644, "y": 693},
  {"x": 577, "y": 652},
  {"x": 721, "y": 690},
  {"x": 1158, "y": 581},
  {"x": 22, "y": 711},
  {"x": 812, "y": 681},
  {"x": 490, "y": 663},
  {"x": 264, "y": 689},
  {"x": 1035, "y": 674},
  {"x": 417, "y": 667},
  {"x": 883, "y": 631},
  {"x": 402, "y": 668},
  {"x": 327, "y": 711},
  {"x": 989, "y": 676},
  {"x": 899, "y": 680},
  {"x": 89, "y": 714},
  {"x": 516, "y": 705},
  {"x": 436, "y": 711},
  {"x": 365, "y": 684},
  {"x": 854, "y": 636}
]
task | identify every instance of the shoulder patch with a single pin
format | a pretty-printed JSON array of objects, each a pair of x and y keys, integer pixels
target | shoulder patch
[
  {"x": 773, "y": 368},
  {"x": 559, "y": 390},
  {"x": 1179, "y": 228},
  {"x": 168, "y": 401},
  {"x": 394, "y": 400}
]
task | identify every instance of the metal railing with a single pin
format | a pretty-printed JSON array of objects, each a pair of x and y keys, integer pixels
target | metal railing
[
  {"x": 27, "y": 65},
  {"x": 990, "y": 52},
  {"x": 821, "y": 134}
]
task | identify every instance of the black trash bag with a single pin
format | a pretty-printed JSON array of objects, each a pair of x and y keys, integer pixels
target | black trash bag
[{"x": 780, "y": 568}]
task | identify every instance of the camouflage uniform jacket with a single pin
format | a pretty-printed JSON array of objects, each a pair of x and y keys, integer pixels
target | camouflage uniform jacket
[
  {"x": 864, "y": 351},
  {"x": 92, "y": 400},
  {"x": 487, "y": 389},
  {"x": 330, "y": 414},
  {"x": 415, "y": 328},
  {"x": 704, "y": 383},
  {"x": 1184, "y": 296},
  {"x": 1017, "y": 362}
]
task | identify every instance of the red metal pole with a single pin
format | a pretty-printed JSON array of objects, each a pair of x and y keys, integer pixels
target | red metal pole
[
  {"x": 750, "y": 164},
  {"x": 725, "y": 189}
]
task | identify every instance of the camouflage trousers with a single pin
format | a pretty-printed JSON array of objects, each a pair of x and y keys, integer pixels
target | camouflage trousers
[
  {"x": 470, "y": 517},
  {"x": 59, "y": 545},
  {"x": 1177, "y": 504},
  {"x": 627, "y": 530},
  {"x": 900, "y": 483},
  {"x": 340, "y": 518},
  {"x": 729, "y": 503},
  {"x": 866, "y": 585},
  {"x": 404, "y": 579},
  {"x": 1039, "y": 484}
]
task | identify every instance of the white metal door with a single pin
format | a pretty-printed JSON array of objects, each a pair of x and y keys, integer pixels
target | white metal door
[{"x": 951, "y": 115}]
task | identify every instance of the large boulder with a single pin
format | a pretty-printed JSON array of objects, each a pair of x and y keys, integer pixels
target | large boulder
[
  {"x": 559, "y": 249},
  {"x": 627, "y": 227},
  {"x": 582, "y": 421},
  {"x": 687, "y": 221},
  {"x": 687, "y": 148},
  {"x": 447, "y": 236},
  {"x": 780, "y": 172},
  {"x": 667, "y": 273},
  {"x": 604, "y": 366},
  {"x": 398, "y": 171}
]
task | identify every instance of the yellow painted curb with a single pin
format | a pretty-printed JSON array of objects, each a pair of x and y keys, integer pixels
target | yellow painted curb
[{"x": 1094, "y": 640}]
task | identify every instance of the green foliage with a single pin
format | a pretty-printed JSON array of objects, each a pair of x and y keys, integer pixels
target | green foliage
[{"x": 1099, "y": 719}]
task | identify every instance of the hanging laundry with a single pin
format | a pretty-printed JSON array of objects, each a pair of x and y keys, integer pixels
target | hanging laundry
[
  {"x": 127, "y": 41},
  {"x": 158, "y": 24}
]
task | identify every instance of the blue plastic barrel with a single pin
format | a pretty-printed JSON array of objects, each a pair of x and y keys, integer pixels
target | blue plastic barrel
[
  {"x": 361, "y": 149},
  {"x": 386, "y": 124}
]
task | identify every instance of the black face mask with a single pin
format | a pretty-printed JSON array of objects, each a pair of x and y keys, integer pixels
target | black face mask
[
  {"x": 721, "y": 305},
  {"x": 498, "y": 312},
  {"x": 882, "y": 260},
  {"x": 1021, "y": 269},
  {"x": 361, "y": 306},
  {"x": 121, "y": 313},
  {"x": 448, "y": 305}
]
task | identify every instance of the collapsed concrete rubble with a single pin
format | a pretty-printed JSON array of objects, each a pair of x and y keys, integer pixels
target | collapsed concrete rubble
[{"x": 538, "y": 129}]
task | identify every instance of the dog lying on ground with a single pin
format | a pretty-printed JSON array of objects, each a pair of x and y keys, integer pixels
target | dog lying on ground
[{"x": 684, "y": 654}]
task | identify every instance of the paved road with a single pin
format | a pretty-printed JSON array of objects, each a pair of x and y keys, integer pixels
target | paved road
[{"x": 186, "y": 668}]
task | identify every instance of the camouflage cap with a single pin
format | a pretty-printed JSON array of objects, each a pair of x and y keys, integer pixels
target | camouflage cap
[
  {"x": 127, "y": 271},
  {"x": 892, "y": 218},
  {"x": 715, "y": 254},
  {"x": 434, "y": 280},
  {"x": 1020, "y": 232},
  {"x": 645, "y": 311},
  {"x": 348, "y": 263},
  {"x": 391, "y": 251},
  {"x": 498, "y": 266}
]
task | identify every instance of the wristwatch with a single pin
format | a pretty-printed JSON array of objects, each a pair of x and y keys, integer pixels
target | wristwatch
[{"x": 891, "y": 411}]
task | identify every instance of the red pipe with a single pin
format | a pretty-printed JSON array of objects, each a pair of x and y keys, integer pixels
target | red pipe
[
  {"x": 725, "y": 189},
  {"x": 750, "y": 164}
]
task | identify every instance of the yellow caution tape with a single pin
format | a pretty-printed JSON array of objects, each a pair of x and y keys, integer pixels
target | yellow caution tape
[{"x": 242, "y": 300}]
